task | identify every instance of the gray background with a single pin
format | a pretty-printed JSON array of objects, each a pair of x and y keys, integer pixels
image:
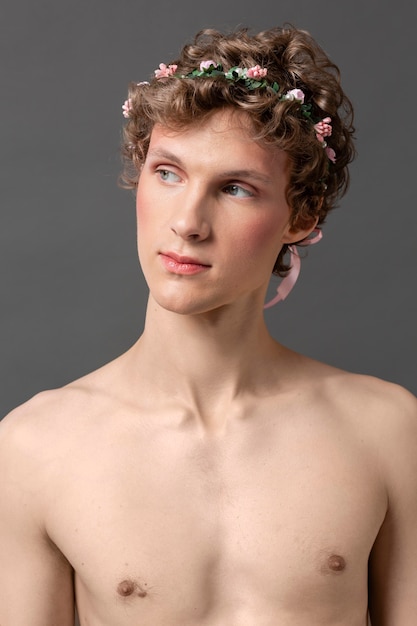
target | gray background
[{"x": 72, "y": 295}]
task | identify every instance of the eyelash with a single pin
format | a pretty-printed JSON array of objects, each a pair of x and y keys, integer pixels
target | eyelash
[
  {"x": 164, "y": 171},
  {"x": 247, "y": 193}
]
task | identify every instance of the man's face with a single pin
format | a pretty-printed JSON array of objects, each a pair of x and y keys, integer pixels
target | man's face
[{"x": 212, "y": 215}]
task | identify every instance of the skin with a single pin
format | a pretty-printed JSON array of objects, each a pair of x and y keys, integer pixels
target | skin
[{"x": 210, "y": 476}]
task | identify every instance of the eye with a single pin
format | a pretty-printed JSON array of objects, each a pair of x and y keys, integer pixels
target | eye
[
  {"x": 168, "y": 176},
  {"x": 237, "y": 191}
]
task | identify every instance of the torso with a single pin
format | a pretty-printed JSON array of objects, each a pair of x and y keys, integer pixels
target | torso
[{"x": 270, "y": 521}]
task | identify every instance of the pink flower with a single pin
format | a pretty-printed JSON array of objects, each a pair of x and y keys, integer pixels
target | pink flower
[
  {"x": 294, "y": 94},
  {"x": 127, "y": 107},
  {"x": 323, "y": 128},
  {"x": 256, "y": 72},
  {"x": 331, "y": 154},
  {"x": 164, "y": 71},
  {"x": 205, "y": 65}
]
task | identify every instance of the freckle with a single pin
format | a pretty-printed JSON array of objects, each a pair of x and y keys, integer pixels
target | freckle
[{"x": 336, "y": 563}]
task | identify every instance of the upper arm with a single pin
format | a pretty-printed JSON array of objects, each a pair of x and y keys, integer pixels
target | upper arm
[
  {"x": 393, "y": 562},
  {"x": 35, "y": 578}
]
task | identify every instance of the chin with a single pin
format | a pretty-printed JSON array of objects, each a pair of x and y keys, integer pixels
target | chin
[{"x": 183, "y": 305}]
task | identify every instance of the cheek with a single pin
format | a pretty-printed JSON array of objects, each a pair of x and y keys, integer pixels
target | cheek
[
  {"x": 144, "y": 224},
  {"x": 143, "y": 207},
  {"x": 141, "y": 217},
  {"x": 261, "y": 236}
]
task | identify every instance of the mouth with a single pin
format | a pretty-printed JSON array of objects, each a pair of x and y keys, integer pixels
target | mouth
[{"x": 178, "y": 264}]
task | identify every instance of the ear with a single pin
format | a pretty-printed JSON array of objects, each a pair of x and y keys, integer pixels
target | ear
[{"x": 293, "y": 234}]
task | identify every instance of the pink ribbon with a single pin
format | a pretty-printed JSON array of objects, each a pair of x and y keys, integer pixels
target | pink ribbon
[{"x": 290, "y": 279}]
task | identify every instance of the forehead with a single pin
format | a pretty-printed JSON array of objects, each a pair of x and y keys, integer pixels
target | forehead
[{"x": 226, "y": 137}]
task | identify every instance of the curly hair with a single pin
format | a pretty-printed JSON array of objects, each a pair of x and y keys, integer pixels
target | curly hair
[{"x": 293, "y": 59}]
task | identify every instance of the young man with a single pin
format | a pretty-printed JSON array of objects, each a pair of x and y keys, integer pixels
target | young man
[{"x": 210, "y": 475}]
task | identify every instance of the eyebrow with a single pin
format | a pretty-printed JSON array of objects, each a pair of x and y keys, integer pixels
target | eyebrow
[
  {"x": 254, "y": 174},
  {"x": 165, "y": 154},
  {"x": 243, "y": 173}
]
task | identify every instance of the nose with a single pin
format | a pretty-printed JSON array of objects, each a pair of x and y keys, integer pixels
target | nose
[{"x": 190, "y": 219}]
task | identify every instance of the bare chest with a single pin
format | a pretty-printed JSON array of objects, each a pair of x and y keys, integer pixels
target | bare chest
[{"x": 180, "y": 526}]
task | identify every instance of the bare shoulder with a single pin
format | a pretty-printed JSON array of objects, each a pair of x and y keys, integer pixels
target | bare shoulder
[
  {"x": 382, "y": 400},
  {"x": 371, "y": 392},
  {"x": 37, "y": 448},
  {"x": 32, "y": 438},
  {"x": 49, "y": 425},
  {"x": 383, "y": 415},
  {"x": 391, "y": 412},
  {"x": 385, "y": 406}
]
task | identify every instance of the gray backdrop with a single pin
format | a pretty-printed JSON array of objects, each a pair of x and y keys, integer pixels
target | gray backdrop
[{"x": 72, "y": 295}]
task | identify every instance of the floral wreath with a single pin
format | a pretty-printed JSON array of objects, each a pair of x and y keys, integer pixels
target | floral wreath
[{"x": 251, "y": 78}]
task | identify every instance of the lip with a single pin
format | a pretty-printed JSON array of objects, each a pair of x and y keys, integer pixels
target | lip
[{"x": 178, "y": 264}]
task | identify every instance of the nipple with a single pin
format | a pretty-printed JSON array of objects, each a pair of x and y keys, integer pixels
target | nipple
[
  {"x": 129, "y": 587},
  {"x": 336, "y": 563}
]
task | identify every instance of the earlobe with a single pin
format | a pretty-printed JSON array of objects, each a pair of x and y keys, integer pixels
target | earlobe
[{"x": 294, "y": 235}]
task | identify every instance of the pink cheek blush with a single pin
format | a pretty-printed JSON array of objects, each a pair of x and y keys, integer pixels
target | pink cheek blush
[{"x": 258, "y": 235}]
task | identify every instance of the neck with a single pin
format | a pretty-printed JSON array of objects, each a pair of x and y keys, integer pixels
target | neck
[{"x": 207, "y": 360}]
